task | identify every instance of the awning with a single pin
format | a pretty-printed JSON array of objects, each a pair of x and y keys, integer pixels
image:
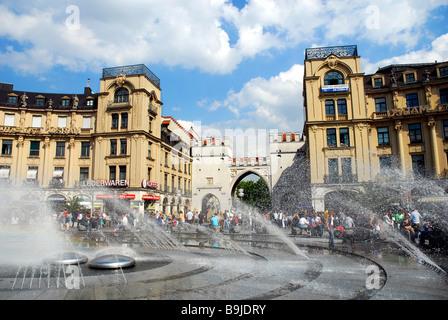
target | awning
[
  {"x": 31, "y": 174},
  {"x": 58, "y": 173},
  {"x": 4, "y": 173}
]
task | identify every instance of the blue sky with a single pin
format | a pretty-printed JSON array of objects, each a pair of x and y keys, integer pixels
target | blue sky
[{"x": 223, "y": 65}]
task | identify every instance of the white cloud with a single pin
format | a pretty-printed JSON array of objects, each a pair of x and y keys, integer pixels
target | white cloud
[
  {"x": 438, "y": 51},
  {"x": 267, "y": 103},
  {"x": 194, "y": 33}
]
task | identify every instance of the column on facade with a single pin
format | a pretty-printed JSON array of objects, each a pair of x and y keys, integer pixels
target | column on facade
[
  {"x": 20, "y": 158},
  {"x": 435, "y": 154},
  {"x": 71, "y": 175},
  {"x": 46, "y": 170},
  {"x": 399, "y": 128}
]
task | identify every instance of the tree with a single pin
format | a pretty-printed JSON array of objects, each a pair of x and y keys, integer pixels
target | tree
[
  {"x": 256, "y": 194},
  {"x": 74, "y": 206}
]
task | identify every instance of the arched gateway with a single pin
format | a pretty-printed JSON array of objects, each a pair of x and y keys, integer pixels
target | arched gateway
[{"x": 217, "y": 173}]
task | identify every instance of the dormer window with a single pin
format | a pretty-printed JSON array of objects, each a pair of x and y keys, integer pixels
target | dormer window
[
  {"x": 333, "y": 78},
  {"x": 40, "y": 101},
  {"x": 378, "y": 82},
  {"x": 410, "y": 77},
  {"x": 65, "y": 101},
  {"x": 12, "y": 99},
  {"x": 443, "y": 71},
  {"x": 121, "y": 95}
]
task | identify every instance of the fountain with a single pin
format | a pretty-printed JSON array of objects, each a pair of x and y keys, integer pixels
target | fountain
[{"x": 38, "y": 260}]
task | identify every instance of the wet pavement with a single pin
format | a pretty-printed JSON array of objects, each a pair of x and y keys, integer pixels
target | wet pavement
[{"x": 254, "y": 267}]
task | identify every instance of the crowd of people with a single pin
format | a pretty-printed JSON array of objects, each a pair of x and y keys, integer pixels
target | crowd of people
[{"x": 348, "y": 225}]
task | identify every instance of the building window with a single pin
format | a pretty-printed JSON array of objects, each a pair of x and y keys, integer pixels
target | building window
[
  {"x": 344, "y": 137},
  {"x": 40, "y": 101},
  {"x": 60, "y": 149},
  {"x": 150, "y": 124},
  {"x": 114, "y": 120},
  {"x": 333, "y": 78},
  {"x": 410, "y": 77},
  {"x": 209, "y": 181},
  {"x": 34, "y": 148},
  {"x": 62, "y": 122},
  {"x": 333, "y": 170},
  {"x": 329, "y": 108},
  {"x": 124, "y": 120},
  {"x": 445, "y": 129},
  {"x": 385, "y": 164},
  {"x": 418, "y": 165},
  {"x": 37, "y": 122},
  {"x": 346, "y": 168},
  {"x": 383, "y": 136},
  {"x": 85, "y": 149},
  {"x": 12, "y": 99},
  {"x": 149, "y": 149},
  {"x": 6, "y": 147},
  {"x": 415, "y": 133},
  {"x": 83, "y": 173},
  {"x": 86, "y": 122},
  {"x": 122, "y": 172},
  {"x": 149, "y": 173},
  {"x": 378, "y": 82},
  {"x": 342, "y": 106},
  {"x": 331, "y": 137},
  {"x": 380, "y": 105},
  {"x": 443, "y": 71},
  {"x": 412, "y": 100},
  {"x": 121, "y": 95},
  {"x": 9, "y": 120},
  {"x": 113, "y": 147},
  {"x": 443, "y": 96},
  {"x": 123, "y": 146},
  {"x": 112, "y": 173},
  {"x": 65, "y": 102},
  {"x": 89, "y": 102}
]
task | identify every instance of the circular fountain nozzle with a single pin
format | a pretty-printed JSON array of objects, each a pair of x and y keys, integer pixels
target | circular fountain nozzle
[
  {"x": 67, "y": 258},
  {"x": 112, "y": 261}
]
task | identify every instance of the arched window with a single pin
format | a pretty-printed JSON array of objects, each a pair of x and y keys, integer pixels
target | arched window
[
  {"x": 121, "y": 95},
  {"x": 332, "y": 78}
]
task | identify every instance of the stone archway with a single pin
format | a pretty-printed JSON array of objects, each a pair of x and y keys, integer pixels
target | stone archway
[
  {"x": 240, "y": 178},
  {"x": 210, "y": 205},
  {"x": 340, "y": 200}
]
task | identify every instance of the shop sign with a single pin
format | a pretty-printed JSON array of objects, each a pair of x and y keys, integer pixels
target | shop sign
[
  {"x": 119, "y": 196},
  {"x": 335, "y": 88},
  {"x": 407, "y": 111},
  {"x": 104, "y": 183},
  {"x": 149, "y": 184},
  {"x": 150, "y": 197},
  {"x": 31, "y": 130}
]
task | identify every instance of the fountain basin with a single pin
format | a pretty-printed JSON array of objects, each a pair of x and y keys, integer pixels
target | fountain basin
[
  {"x": 112, "y": 261},
  {"x": 68, "y": 258}
]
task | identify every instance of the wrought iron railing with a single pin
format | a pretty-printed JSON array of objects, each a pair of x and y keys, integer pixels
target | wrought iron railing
[
  {"x": 322, "y": 53},
  {"x": 130, "y": 71}
]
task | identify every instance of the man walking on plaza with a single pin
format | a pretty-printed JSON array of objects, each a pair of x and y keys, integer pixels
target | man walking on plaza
[{"x": 330, "y": 227}]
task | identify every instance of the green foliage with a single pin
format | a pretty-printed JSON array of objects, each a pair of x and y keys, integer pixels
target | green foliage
[
  {"x": 74, "y": 206},
  {"x": 256, "y": 194}
]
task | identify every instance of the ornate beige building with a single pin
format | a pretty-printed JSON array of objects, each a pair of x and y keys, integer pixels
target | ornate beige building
[
  {"x": 389, "y": 125},
  {"x": 113, "y": 149}
]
